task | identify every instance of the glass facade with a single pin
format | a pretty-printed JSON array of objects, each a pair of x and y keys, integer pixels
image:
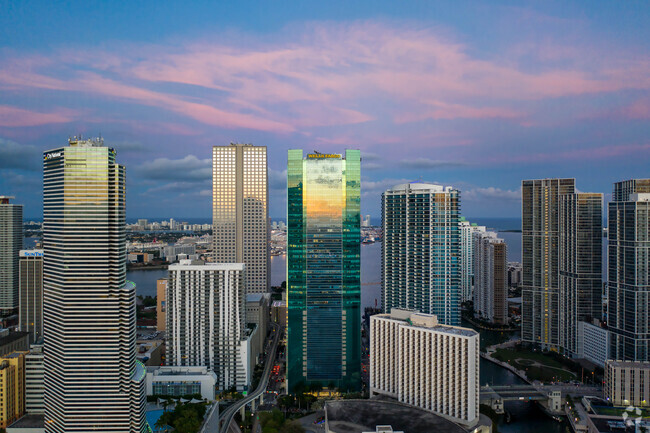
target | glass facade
[
  {"x": 629, "y": 270},
  {"x": 421, "y": 250},
  {"x": 323, "y": 270}
]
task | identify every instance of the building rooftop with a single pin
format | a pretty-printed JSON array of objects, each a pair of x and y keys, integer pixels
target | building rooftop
[
  {"x": 29, "y": 421},
  {"x": 629, "y": 364},
  {"x": 12, "y": 336},
  {"x": 358, "y": 416},
  {"x": 426, "y": 321},
  {"x": 420, "y": 186}
]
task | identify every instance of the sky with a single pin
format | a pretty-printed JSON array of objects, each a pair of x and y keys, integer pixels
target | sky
[{"x": 477, "y": 95}]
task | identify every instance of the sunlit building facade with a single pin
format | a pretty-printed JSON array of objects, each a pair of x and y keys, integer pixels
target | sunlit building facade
[
  {"x": 490, "y": 277},
  {"x": 467, "y": 230},
  {"x": 323, "y": 270},
  {"x": 629, "y": 270},
  {"x": 421, "y": 250},
  {"x": 240, "y": 211},
  {"x": 92, "y": 379}
]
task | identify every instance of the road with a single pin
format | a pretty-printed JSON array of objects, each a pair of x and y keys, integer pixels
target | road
[{"x": 226, "y": 417}]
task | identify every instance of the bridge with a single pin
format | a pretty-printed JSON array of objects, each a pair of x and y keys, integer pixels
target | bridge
[{"x": 495, "y": 396}]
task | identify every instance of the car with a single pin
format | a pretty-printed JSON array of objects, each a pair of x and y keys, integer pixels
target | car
[{"x": 319, "y": 420}]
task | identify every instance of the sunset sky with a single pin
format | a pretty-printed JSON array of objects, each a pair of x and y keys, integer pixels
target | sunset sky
[{"x": 474, "y": 94}]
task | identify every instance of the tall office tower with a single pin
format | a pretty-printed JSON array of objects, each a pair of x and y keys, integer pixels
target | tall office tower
[
  {"x": 30, "y": 311},
  {"x": 629, "y": 270},
  {"x": 240, "y": 211},
  {"x": 540, "y": 226},
  {"x": 11, "y": 242},
  {"x": 421, "y": 250},
  {"x": 419, "y": 362},
  {"x": 466, "y": 258},
  {"x": 206, "y": 319},
  {"x": 490, "y": 277},
  {"x": 323, "y": 270},
  {"x": 92, "y": 379},
  {"x": 580, "y": 264}
]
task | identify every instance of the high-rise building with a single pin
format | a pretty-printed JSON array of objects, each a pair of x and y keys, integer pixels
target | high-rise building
[
  {"x": 92, "y": 379},
  {"x": 34, "y": 387},
  {"x": 421, "y": 250},
  {"x": 11, "y": 242},
  {"x": 419, "y": 362},
  {"x": 629, "y": 270},
  {"x": 581, "y": 264},
  {"x": 323, "y": 270},
  {"x": 466, "y": 258},
  {"x": 12, "y": 388},
  {"x": 240, "y": 211},
  {"x": 206, "y": 319},
  {"x": 561, "y": 272},
  {"x": 30, "y": 311},
  {"x": 161, "y": 304},
  {"x": 540, "y": 226},
  {"x": 490, "y": 277}
]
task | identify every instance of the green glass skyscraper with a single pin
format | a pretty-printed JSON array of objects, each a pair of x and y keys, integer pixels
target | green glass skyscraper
[{"x": 323, "y": 270}]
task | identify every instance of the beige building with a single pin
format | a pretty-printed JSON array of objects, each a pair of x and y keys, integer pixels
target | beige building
[
  {"x": 420, "y": 362},
  {"x": 258, "y": 312},
  {"x": 240, "y": 212},
  {"x": 12, "y": 388},
  {"x": 161, "y": 307},
  {"x": 627, "y": 383}
]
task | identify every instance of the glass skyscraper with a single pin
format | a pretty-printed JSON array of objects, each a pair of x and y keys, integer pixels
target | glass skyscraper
[
  {"x": 93, "y": 381},
  {"x": 323, "y": 270},
  {"x": 562, "y": 262},
  {"x": 421, "y": 250},
  {"x": 629, "y": 270}
]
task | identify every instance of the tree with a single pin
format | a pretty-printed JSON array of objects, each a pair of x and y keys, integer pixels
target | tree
[{"x": 292, "y": 427}]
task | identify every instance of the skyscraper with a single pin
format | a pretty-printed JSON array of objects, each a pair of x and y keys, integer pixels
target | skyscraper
[
  {"x": 581, "y": 268},
  {"x": 11, "y": 242},
  {"x": 561, "y": 281},
  {"x": 323, "y": 272},
  {"x": 30, "y": 312},
  {"x": 629, "y": 270},
  {"x": 240, "y": 212},
  {"x": 540, "y": 226},
  {"x": 206, "y": 319},
  {"x": 466, "y": 258},
  {"x": 421, "y": 250},
  {"x": 490, "y": 277},
  {"x": 92, "y": 379}
]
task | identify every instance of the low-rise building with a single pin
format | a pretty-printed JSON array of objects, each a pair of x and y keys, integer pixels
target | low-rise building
[
  {"x": 627, "y": 383},
  {"x": 180, "y": 381},
  {"x": 279, "y": 312},
  {"x": 150, "y": 352},
  {"x": 420, "y": 362},
  {"x": 13, "y": 341},
  {"x": 593, "y": 342}
]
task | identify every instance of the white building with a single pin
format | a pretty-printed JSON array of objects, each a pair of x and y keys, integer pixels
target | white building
[
  {"x": 467, "y": 257},
  {"x": 206, "y": 319},
  {"x": 627, "y": 383},
  {"x": 93, "y": 381},
  {"x": 420, "y": 362},
  {"x": 180, "y": 381},
  {"x": 490, "y": 277},
  {"x": 240, "y": 211},
  {"x": 34, "y": 387},
  {"x": 593, "y": 342}
]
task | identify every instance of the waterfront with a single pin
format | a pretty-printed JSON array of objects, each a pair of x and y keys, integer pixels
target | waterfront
[{"x": 526, "y": 417}]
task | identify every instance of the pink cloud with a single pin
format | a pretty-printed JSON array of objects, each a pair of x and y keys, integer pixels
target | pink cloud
[{"x": 17, "y": 117}]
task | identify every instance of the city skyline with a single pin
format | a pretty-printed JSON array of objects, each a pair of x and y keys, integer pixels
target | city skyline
[{"x": 469, "y": 95}]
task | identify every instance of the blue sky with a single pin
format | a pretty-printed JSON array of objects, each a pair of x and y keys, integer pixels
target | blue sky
[{"x": 472, "y": 94}]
